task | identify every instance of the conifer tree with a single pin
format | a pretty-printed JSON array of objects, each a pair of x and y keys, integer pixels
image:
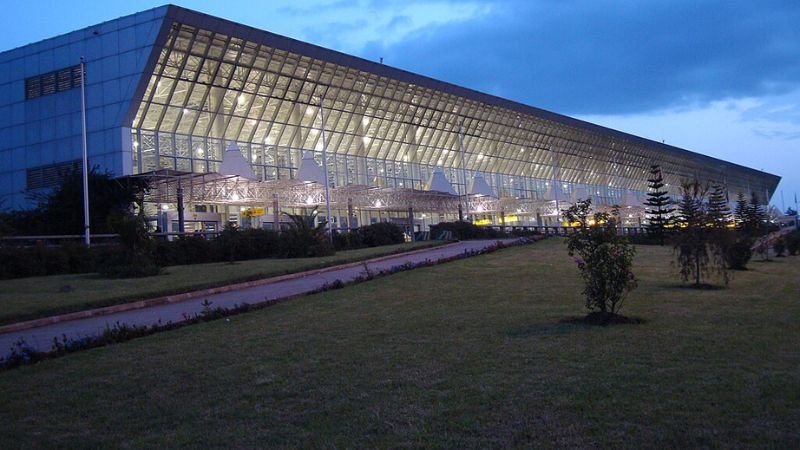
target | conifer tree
[
  {"x": 658, "y": 216},
  {"x": 718, "y": 211},
  {"x": 740, "y": 211},
  {"x": 698, "y": 252}
]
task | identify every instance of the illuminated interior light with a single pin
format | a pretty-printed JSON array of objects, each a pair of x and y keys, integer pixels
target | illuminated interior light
[
  {"x": 185, "y": 110},
  {"x": 235, "y": 197},
  {"x": 164, "y": 207},
  {"x": 240, "y": 99},
  {"x": 309, "y": 200},
  {"x": 378, "y": 203}
]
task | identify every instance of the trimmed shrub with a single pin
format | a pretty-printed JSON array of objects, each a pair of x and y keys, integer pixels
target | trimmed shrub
[
  {"x": 463, "y": 230},
  {"x": 382, "y": 233},
  {"x": 738, "y": 251}
]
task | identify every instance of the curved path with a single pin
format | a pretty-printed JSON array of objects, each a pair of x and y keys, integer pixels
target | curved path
[{"x": 262, "y": 291}]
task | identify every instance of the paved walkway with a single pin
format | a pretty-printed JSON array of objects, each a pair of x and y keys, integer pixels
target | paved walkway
[{"x": 41, "y": 337}]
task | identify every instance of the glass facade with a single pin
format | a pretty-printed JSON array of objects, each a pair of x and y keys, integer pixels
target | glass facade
[
  {"x": 209, "y": 88},
  {"x": 168, "y": 90}
]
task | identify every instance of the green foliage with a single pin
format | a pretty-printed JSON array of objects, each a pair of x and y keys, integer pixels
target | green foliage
[
  {"x": 717, "y": 210},
  {"x": 304, "y": 238},
  {"x": 463, "y": 230},
  {"x": 699, "y": 247},
  {"x": 604, "y": 258},
  {"x": 658, "y": 216},
  {"x": 374, "y": 235},
  {"x": 738, "y": 250},
  {"x": 41, "y": 259},
  {"x": 750, "y": 216},
  {"x": 779, "y": 245},
  {"x": 137, "y": 257},
  {"x": 793, "y": 243}
]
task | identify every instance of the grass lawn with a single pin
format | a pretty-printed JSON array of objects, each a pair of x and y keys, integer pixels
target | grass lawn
[
  {"x": 462, "y": 355},
  {"x": 30, "y": 298}
]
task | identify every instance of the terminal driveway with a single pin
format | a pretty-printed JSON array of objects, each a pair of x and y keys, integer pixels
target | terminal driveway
[{"x": 41, "y": 338}]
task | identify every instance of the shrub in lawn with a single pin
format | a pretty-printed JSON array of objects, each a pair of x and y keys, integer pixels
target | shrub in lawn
[
  {"x": 348, "y": 240},
  {"x": 136, "y": 255},
  {"x": 463, "y": 230},
  {"x": 604, "y": 258},
  {"x": 793, "y": 242},
  {"x": 779, "y": 245},
  {"x": 382, "y": 233},
  {"x": 738, "y": 251}
]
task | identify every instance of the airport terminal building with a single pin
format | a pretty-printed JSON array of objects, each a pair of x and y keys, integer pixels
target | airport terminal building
[{"x": 236, "y": 124}]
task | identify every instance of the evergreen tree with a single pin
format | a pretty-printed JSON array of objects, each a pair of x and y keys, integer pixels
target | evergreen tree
[
  {"x": 658, "y": 216},
  {"x": 698, "y": 251},
  {"x": 740, "y": 211},
  {"x": 750, "y": 216},
  {"x": 719, "y": 213}
]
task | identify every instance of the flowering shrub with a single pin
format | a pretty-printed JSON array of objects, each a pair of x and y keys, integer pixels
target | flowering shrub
[{"x": 604, "y": 258}]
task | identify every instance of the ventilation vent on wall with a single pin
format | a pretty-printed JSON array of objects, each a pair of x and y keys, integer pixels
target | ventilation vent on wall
[{"x": 51, "y": 175}]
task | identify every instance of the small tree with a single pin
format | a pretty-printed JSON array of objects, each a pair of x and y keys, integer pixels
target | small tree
[
  {"x": 698, "y": 251},
  {"x": 658, "y": 216},
  {"x": 604, "y": 258}
]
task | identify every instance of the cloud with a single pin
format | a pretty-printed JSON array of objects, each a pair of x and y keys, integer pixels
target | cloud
[{"x": 602, "y": 57}]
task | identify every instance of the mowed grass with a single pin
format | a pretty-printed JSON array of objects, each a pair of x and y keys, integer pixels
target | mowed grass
[
  {"x": 469, "y": 354},
  {"x": 30, "y": 298}
]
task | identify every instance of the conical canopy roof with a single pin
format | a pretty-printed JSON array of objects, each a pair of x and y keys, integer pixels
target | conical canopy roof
[
  {"x": 310, "y": 171},
  {"x": 480, "y": 186},
  {"x": 234, "y": 163},
  {"x": 438, "y": 182}
]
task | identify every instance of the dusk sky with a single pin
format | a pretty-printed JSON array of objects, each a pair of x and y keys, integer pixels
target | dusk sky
[{"x": 718, "y": 77}]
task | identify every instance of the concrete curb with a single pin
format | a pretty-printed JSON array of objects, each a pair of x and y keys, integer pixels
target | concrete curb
[{"x": 175, "y": 298}]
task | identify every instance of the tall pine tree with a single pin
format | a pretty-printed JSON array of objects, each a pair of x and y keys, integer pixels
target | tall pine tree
[
  {"x": 658, "y": 201},
  {"x": 718, "y": 211}
]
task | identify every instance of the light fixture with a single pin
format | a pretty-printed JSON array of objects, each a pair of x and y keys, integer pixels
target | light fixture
[
  {"x": 164, "y": 207},
  {"x": 378, "y": 203},
  {"x": 235, "y": 197},
  {"x": 309, "y": 200}
]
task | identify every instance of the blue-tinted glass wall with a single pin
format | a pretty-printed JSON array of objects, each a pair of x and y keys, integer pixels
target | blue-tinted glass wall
[{"x": 47, "y": 130}]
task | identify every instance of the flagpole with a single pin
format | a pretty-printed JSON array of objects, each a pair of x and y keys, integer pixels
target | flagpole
[{"x": 86, "y": 229}]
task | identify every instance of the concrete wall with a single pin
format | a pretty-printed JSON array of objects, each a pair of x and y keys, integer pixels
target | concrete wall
[{"x": 47, "y": 130}]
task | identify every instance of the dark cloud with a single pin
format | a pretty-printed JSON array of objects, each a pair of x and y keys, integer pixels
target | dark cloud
[{"x": 613, "y": 57}]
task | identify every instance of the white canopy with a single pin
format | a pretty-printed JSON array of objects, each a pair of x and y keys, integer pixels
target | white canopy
[
  {"x": 438, "y": 182},
  {"x": 480, "y": 186},
  {"x": 234, "y": 163},
  {"x": 310, "y": 171}
]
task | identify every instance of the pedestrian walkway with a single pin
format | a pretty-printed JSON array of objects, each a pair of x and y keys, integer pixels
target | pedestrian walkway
[{"x": 263, "y": 291}]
